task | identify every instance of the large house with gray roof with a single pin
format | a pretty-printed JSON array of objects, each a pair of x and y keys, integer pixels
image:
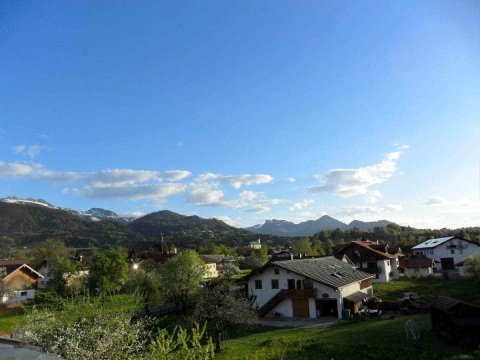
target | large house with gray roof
[
  {"x": 309, "y": 287},
  {"x": 446, "y": 251}
]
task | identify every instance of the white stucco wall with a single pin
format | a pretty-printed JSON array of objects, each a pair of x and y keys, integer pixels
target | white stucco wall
[
  {"x": 17, "y": 296},
  {"x": 285, "y": 307},
  {"x": 442, "y": 251}
]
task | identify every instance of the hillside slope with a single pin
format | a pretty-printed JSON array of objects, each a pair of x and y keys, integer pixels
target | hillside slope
[
  {"x": 190, "y": 231},
  {"x": 27, "y": 224}
]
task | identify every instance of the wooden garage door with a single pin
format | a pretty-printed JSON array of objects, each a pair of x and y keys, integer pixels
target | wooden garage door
[{"x": 300, "y": 307}]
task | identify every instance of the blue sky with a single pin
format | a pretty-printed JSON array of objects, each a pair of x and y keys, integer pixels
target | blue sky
[{"x": 245, "y": 110}]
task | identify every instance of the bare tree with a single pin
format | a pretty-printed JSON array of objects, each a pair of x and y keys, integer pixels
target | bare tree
[{"x": 222, "y": 307}]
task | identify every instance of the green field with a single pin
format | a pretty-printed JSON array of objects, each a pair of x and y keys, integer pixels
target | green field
[
  {"x": 243, "y": 272},
  {"x": 373, "y": 339},
  {"x": 463, "y": 289},
  {"x": 11, "y": 317}
]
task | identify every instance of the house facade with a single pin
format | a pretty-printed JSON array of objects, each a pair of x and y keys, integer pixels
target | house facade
[
  {"x": 446, "y": 251},
  {"x": 19, "y": 281},
  {"x": 210, "y": 271},
  {"x": 308, "y": 287},
  {"x": 372, "y": 258}
]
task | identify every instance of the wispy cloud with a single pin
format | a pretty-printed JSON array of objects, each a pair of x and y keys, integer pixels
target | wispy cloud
[
  {"x": 354, "y": 210},
  {"x": 346, "y": 183},
  {"x": 434, "y": 200},
  {"x": 291, "y": 179},
  {"x": 302, "y": 205},
  {"x": 28, "y": 150}
]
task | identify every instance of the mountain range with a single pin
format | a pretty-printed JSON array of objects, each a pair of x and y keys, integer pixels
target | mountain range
[
  {"x": 24, "y": 222},
  {"x": 310, "y": 227}
]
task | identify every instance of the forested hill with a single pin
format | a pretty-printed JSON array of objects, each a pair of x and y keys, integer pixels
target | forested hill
[
  {"x": 191, "y": 231},
  {"x": 23, "y": 224},
  {"x": 394, "y": 234},
  {"x": 27, "y": 224}
]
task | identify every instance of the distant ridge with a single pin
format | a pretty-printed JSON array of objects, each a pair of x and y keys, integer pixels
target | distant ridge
[{"x": 310, "y": 227}]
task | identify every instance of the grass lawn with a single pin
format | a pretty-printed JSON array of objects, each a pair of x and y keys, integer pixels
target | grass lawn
[
  {"x": 374, "y": 339},
  {"x": 243, "y": 272},
  {"x": 463, "y": 289},
  {"x": 11, "y": 317}
]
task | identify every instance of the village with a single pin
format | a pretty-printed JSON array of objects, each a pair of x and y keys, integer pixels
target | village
[{"x": 290, "y": 290}]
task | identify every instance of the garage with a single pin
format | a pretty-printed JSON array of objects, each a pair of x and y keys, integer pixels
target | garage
[{"x": 327, "y": 307}]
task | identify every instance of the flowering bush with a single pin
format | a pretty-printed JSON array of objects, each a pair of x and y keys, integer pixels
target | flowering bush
[{"x": 86, "y": 330}]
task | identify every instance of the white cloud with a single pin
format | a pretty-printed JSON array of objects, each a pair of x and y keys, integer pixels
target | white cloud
[
  {"x": 258, "y": 208},
  {"x": 249, "y": 195},
  {"x": 228, "y": 220},
  {"x": 301, "y": 205},
  {"x": 346, "y": 183},
  {"x": 434, "y": 200},
  {"x": 354, "y": 210},
  {"x": 176, "y": 175},
  {"x": 236, "y": 181},
  {"x": 15, "y": 169},
  {"x": 157, "y": 192},
  {"x": 29, "y": 150},
  {"x": 291, "y": 179}
]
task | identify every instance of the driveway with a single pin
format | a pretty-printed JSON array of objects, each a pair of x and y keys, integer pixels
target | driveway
[{"x": 298, "y": 322}]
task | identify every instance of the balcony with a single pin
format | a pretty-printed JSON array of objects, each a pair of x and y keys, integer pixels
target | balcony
[{"x": 300, "y": 293}]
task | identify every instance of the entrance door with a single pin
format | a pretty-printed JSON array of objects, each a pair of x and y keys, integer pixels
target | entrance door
[
  {"x": 447, "y": 263},
  {"x": 300, "y": 307},
  {"x": 291, "y": 284},
  {"x": 327, "y": 307}
]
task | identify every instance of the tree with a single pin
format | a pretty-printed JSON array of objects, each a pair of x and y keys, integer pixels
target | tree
[
  {"x": 303, "y": 246},
  {"x": 229, "y": 270},
  {"x": 50, "y": 249},
  {"x": 472, "y": 266},
  {"x": 318, "y": 249},
  {"x": 61, "y": 274},
  {"x": 221, "y": 307},
  {"x": 147, "y": 285},
  {"x": 181, "y": 277},
  {"x": 108, "y": 270}
]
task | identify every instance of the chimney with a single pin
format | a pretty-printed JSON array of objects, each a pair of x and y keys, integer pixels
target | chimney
[
  {"x": 300, "y": 255},
  {"x": 80, "y": 258}
]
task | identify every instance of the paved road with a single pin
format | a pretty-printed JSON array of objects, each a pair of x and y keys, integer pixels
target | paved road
[{"x": 298, "y": 322}]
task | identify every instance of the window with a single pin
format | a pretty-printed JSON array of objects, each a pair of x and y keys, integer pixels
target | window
[
  {"x": 452, "y": 251},
  {"x": 299, "y": 284},
  {"x": 307, "y": 284},
  {"x": 23, "y": 293},
  {"x": 291, "y": 283},
  {"x": 460, "y": 251},
  {"x": 276, "y": 271},
  {"x": 376, "y": 276},
  {"x": 258, "y": 284},
  {"x": 275, "y": 284}
]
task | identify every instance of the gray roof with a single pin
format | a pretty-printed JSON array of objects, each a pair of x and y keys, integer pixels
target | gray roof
[
  {"x": 429, "y": 244},
  {"x": 327, "y": 270}
]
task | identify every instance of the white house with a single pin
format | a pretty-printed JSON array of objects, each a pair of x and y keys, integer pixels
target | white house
[
  {"x": 372, "y": 258},
  {"x": 18, "y": 280},
  {"x": 447, "y": 251},
  {"x": 308, "y": 287}
]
